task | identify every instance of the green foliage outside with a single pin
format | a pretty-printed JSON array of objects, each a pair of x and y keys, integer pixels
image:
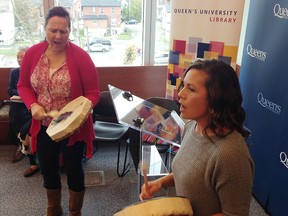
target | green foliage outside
[
  {"x": 132, "y": 10},
  {"x": 130, "y": 54},
  {"x": 26, "y": 15},
  {"x": 124, "y": 37}
]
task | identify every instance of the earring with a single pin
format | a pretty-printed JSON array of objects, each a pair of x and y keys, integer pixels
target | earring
[{"x": 211, "y": 111}]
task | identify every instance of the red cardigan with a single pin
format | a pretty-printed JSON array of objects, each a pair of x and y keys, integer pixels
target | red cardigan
[{"x": 84, "y": 81}]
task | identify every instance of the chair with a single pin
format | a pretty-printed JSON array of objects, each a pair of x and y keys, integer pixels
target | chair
[
  {"x": 166, "y": 103},
  {"x": 107, "y": 129}
]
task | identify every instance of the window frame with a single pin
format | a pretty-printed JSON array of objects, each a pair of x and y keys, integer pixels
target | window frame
[{"x": 149, "y": 18}]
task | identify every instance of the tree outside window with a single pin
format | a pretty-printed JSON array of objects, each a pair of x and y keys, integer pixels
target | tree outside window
[{"x": 23, "y": 20}]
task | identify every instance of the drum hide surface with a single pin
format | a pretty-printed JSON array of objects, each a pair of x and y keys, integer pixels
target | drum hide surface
[
  {"x": 69, "y": 119},
  {"x": 168, "y": 206}
]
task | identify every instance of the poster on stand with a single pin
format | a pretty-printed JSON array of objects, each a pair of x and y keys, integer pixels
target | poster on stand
[{"x": 202, "y": 29}]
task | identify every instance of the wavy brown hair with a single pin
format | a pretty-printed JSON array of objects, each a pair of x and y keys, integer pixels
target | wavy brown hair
[{"x": 224, "y": 98}]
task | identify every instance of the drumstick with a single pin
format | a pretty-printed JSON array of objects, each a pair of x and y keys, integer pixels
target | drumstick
[
  {"x": 51, "y": 113},
  {"x": 144, "y": 171}
]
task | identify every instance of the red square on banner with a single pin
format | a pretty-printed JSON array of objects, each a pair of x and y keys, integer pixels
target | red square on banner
[
  {"x": 179, "y": 45},
  {"x": 177, "y": 71},
  {"x": 217, "y": 46}
]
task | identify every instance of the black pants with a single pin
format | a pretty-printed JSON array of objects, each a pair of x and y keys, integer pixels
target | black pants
[
  {"x": 24, "y": 130},
  {"x": 32, "y": 159},
  {"x": 18, "y": 116},
  {"x": 49, "y": 158}
]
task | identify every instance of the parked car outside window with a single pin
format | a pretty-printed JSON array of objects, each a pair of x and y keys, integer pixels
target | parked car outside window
[
  {"x": 106, "y": 42},
  {"x": 161, "y": 58},
  {"x": 97, "y": 47},
  {"x": 100, "y": 41},
  {"x": 131, "y": 22}
]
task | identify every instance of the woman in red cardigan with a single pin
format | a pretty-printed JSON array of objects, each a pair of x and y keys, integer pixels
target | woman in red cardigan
[{"x": 53, "y": 73}]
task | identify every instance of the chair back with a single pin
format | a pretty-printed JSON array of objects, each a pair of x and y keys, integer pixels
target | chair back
[
  {"x": 107, "y": 129},
  {"x": 168, "y": 104},
  {"x": 105, "y": 110}
]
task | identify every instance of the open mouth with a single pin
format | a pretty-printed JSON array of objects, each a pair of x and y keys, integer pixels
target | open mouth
[
  {"x": 182, "y": 108},
  {"x": 57, "y": 43}
]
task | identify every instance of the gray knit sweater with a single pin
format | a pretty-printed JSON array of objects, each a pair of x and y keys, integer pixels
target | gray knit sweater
[{"x": 216, "y": 177}]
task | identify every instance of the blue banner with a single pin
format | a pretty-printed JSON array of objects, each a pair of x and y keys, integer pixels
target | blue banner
[{"x": 264, "y": 78}]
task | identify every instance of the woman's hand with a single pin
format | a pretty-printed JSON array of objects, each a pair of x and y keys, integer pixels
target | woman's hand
[
  {"x": 147, "y": 193},
  {"x": 15, "y": 97},
  {"x": 91, "y": 106},
  {"x": 156, "y": 185},
  {"x": 37, "y": 111}
]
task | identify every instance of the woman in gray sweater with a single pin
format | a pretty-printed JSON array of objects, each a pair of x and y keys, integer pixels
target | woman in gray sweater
[{"x": 213, "y": 167}]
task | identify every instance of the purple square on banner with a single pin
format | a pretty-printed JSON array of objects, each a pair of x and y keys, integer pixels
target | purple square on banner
[
  {"x": 191, "y": 48},
  {"x": 195, "y": 40}
]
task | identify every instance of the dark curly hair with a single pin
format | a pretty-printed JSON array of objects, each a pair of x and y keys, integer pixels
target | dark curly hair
[{"x": 224, "y": 97}]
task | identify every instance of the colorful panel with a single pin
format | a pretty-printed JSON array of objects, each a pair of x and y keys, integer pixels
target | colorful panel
[
  {"x": 172, "y": 79},
  {"x": 191, "y": 48},
  {"x": 179, "y": 45},
  {"x": 178, "y": 81},
  {"x": 226, "y": 59},
  {"x": 231, "y": 51},
  {"x": 170, "y": 68},
  {"x": 217, "y": 46},
  {"x": 174, "y": 57},
  {"x": 194, "y": 40},
  {"x": 185, "y": 60},
  {"x": 193, "y": 44},
  {"x": 202, "y": 47},
  {"x": 211, "y": 55},
  {"x": 177, "y": 71}
]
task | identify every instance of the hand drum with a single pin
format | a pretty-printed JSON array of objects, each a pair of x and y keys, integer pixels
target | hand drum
[
  {"x": 176, "y": 206},
  {"x": 69, "y": 119}
]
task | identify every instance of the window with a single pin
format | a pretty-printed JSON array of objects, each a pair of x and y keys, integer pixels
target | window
[
  {"x": 41, "y": 15},
  {"x": 137, "y": 30},
  {"x": 113, "y": 22},
  {"x": 162, "y": 34}
]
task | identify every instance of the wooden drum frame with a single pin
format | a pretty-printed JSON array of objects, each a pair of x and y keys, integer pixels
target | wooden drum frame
[{"x": 176, "y": 206}]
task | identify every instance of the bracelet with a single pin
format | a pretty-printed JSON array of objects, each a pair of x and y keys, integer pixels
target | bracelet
[{"x": 33, "y": 105}]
